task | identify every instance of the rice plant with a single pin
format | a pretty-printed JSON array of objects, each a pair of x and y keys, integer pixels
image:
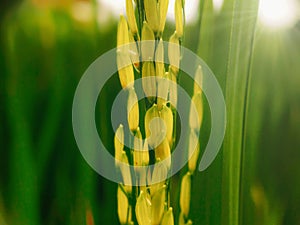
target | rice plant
[
  {"x": 46, "y": 47},
  {"x": 148, "y": 201}
]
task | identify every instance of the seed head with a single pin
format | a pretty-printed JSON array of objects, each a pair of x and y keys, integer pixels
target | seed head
[
  {"x": 143, "y": 209},
  {"x": 181, "y": 219},
  {"x": 168, "y": 218},
  {"x": 149, "y": 84},
  {"x": 134, "y": 53},
  {"x": 167, "y": 116},
  {"x": 138, "y": 146},
  {"x": 158, "y": 204},
  {"x": 140, "y": 153},
  {"x": 163, "y": 9},
  {"x": 122, "y": 205},
  {"x": 159, "y": 60},
  {"x": 133, "y": 110},
  {"x": 163, "y": 152},
  {"x": 125, "y": 69},
  {"x": 174, "y": 52},
  {"x": 140, "y": 158},
  {"x": 152, "y": 14},
  {"x": 162, "y": 91},
  {"x": 179, "y": 17},
  {"x": 185, "y": 194},
  {"x": 159, "y": 174},
  {"x": 122, "y": 36},
  {"x": 125, "y": 171},
  {"x": 198, "y": 80},
  {"x": 172, "y": 88},
  {"x": 119, "y": 143},
  {"x": 155, "y": 133},
  {"x": 131, "y": 17},
  {"x": 149, "y": 46},
  {"x": 196, "y": 112},
  {"x": 193, "y": 151},
  {"x": 126, "y": 75}
]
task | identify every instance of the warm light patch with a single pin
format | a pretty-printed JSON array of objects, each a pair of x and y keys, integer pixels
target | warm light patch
[
  {"x": 191, "y": 8},
  {"x": 218, "y": 4},
  {"x": 278, "y": 13}
]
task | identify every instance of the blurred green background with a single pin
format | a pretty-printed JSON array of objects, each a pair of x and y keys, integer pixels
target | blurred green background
[{"x": 45, "y": 47}]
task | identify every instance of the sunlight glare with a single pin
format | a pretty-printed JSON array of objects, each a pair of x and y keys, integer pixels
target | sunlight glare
[
  {"x": 191, "y": 6},
  {"x": 278, "y": 13},
  {"x": 218, "y": 4}
]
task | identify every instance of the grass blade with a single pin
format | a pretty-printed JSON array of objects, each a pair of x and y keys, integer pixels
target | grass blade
[{"x": 243, "y": 14}]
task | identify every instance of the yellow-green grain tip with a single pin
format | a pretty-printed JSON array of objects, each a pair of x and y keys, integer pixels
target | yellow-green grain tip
[
  {"x": 158, "y": 205},
  {"x": 193, "y": 151},
  {"x": 185, "y": 194},
  {"x": 149, "y": 84},
  {"x": 123, "y": 205},
  {"x": 167, "y": 116},
  {"x": 198, "y": 80},
  {"x": 140, "y": 153},
  {"x": 122, "y": 36},
  {"x": 168, "y": 218},
  {"x": 133, "y": 110},
  {"x": 147, "y": 47},
  {"x": 131, "y": 17},
  {"x": 119, "y": 142},
  {"x": 163, "y": 152},
  {"x": 179, "y": 17},
  {"x": 159, "y": 59},
  {"x": 125, "y": 69},
  {"x": 163, "y": 9},
  {"x": 196, "y": 112},
  {"x": 159, "y": 175},
  {"x": 134, "y": 53},
  {"x": 143, "y": 209},
  {"x": 172, "y": 88},
  {"x": 125, "y": 171},
  {"x": 174, "y": 52},
  {"x": 162, "y": 91},
  {"x": 152, "y": 14}
]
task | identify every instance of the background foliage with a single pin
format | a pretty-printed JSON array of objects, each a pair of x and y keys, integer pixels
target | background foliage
[{"x": 45, "y": 49}]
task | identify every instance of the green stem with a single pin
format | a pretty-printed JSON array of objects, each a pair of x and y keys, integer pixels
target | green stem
[
  {"x": 244, "y": 131},
  {"x": 237, "y": 76},
  {"x": 141, "y": 15}
]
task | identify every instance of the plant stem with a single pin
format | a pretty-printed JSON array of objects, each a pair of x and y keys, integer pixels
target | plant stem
[{"x": 237, "y": 75}]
